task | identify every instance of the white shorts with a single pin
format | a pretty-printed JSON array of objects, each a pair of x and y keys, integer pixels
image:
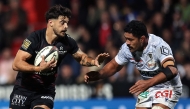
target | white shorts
[{"x": 167, "y": 96}]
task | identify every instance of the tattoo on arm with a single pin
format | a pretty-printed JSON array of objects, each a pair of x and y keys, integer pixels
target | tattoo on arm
[
  {"x": 86, "y": 61},
  {"x": 83, "y": 59}
]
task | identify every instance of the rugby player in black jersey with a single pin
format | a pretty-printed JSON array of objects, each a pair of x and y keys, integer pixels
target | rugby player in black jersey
[{"x": 34, "y": 88}]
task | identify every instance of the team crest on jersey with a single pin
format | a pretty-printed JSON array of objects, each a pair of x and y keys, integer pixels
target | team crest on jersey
[
  {"x": 26, "y": 44},
  {"x": 151, "y": 63}
]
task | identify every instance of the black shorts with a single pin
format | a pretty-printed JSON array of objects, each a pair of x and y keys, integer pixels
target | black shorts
[{"x": 21, "y": 98}]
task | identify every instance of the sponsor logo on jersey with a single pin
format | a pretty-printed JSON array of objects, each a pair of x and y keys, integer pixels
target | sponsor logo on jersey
[
  {"x": 144, "y": 94},
  {"x": 26, "y": 43},
  {"x": 47, "y": 97},
  {"x": 148, "y": 73},
  {"x": 61, "y": 51},
  {"x": 18, "y": 100},
  {"x": 45, "y": 73},
  {"x": 165, "y": 93}
]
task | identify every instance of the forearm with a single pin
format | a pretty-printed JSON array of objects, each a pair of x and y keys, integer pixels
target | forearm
[
  {"x": 159, "y": 78},
  {"x": 25, "y": 67},
  {"x": 87, "y": 61},
  {"x": 168, "y": 73},
  {"x": 109, "y": 69}
]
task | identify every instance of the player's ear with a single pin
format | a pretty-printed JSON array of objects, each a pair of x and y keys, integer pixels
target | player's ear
[
  {"x": 50, "y": 22},
  {"x": 142, "y": 39}
]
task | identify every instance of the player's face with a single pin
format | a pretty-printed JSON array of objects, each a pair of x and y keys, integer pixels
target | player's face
[
  {"x": 60, "y": 25},
  {"x": 133, "y": 42}
]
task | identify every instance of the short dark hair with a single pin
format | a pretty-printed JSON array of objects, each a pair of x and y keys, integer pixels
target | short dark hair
[
  {"x": 56, "y": 11},
  {"x": 137, "y": 28}
]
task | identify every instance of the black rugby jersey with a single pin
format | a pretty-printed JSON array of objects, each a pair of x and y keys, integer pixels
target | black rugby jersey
[{"x": 33, "y": 44}]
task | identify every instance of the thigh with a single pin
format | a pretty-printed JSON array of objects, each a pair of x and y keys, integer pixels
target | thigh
[
  {"x": 40, "y": 107},
  {"x": 20, "y": 99},
  {"x": 159, "y": 106},
  {"x": 43, "y": 100},
  {"x": 141, "y": 108}
]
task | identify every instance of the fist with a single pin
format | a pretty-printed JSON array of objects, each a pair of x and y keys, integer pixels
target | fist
[{"x": 91, "y": 76}]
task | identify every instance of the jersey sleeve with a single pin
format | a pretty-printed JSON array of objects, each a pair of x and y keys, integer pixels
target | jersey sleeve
[
  {"x": 123, "y": 55},
  {"x": 163, "y": 51},
  {"x": 29, "y": 44}
]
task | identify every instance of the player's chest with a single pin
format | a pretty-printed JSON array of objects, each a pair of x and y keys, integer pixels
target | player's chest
[
  {"x": 63, "y": 48},
  {"x": 147, "y": 61}
]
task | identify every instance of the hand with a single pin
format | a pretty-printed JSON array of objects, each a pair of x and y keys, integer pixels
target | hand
[
  {"x": 100, "y": 58},
  {"x": 45, "y": 66},
  {"x": 91, "y": 76},
  {"x": 139, "y": 87}
]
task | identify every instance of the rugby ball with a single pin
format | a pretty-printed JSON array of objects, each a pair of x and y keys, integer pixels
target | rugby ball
[{"x": 49, "y": 52}]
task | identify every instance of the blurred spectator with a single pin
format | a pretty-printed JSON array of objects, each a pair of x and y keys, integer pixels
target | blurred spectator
[
  {"x": 129, "y": 14},
  {"x": 92, "y": 19},
  {"x": 157, "y": 23},
  {"x": 75, "y": 9},
  {"x": 180, "y": 60},
  {"x": 168, "y": 37},
  {"x": 84, "y": 38},
  {"x": 101, "y": 6},
  {"x": 117, "y": 33},
  {"x": 184, "y": 7},
  {"x": 186, "y": 79},
  {"x": 114, "y": 13},
  {"x": 35, "y": 10},
  {"x": 7, "y": 75},
  {"x": 15, "y": 45},
  {"x": 80, "y": 78},
  {"x": 2, "y": 36},
  {"x": 149, "y": 9},
  {"x": 65, "y": 76},
  {"x": 122, "y": 75},
  {"x": 14, "y": 21},
  {"x": 1, "y": 13},
  {"x": 179, "y": 56},
  {"x": 104, "y": 29},
  {"x": 177, "y": 25},
  {"x": 185, "y": 45},
  {"x": 167, "y": 10}
]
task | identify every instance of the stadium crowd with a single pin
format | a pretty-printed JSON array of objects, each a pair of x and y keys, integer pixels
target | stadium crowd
[{"x": 97, "y": 26}]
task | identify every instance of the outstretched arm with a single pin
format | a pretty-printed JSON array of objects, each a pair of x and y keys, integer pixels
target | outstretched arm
[
  {"x": 85, "y": 60},
  {"x": 108, "y": 70}
]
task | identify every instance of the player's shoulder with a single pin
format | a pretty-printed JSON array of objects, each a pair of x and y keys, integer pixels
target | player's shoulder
[
  {"x": 124, "y": 49},
  {"x": 124, "y": 46},
  {"x": 69, "y": 39},
  {"x": 38, "y": 33},
  {"x": 156, "y": 40}
]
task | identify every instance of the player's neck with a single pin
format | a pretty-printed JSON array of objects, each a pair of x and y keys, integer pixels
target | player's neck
[
  {"x": 145, "y": 44},
  {"x": 50, "y": 36}
]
